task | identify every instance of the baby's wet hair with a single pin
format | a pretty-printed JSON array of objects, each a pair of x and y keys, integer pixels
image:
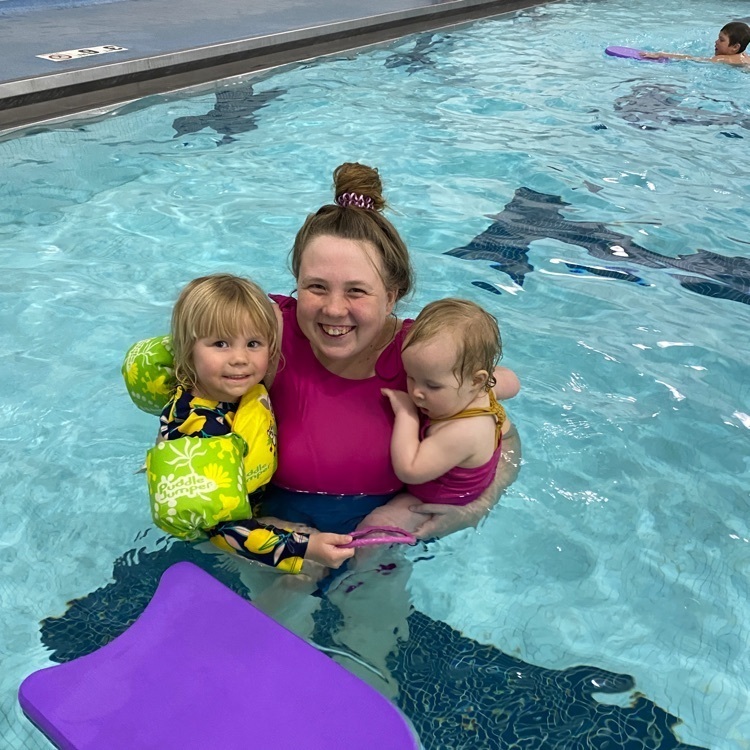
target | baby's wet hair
[
  {"x": 474, "y": 330},
  {"x": 220, "y": 305}
]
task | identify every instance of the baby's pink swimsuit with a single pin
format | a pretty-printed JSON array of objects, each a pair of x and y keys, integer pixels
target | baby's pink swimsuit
[{"x": 461, "y": 486}]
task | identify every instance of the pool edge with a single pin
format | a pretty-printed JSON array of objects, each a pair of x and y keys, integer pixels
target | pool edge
[{"x": 30, "y": 100}]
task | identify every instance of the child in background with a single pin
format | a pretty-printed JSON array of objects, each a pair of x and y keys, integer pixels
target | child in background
[
  {"x": 728, "y": 48},
  {"x": 218, "y": 431},
  {"x": 448, "y": 429}
]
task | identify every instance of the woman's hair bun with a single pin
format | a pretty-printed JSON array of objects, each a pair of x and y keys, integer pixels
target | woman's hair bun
[{"x": 359, "y": 179}]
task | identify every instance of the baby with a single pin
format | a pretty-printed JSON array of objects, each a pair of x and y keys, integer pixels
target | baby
[{"x": 448, "y": 428}]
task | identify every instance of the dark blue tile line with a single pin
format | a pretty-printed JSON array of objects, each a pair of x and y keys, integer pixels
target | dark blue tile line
[
  {"x": 233, "y": 113},
  {"x": 459, "y": 693},
  {"x": 530, "y": 216},
  {"x": 655, "y": 106}
]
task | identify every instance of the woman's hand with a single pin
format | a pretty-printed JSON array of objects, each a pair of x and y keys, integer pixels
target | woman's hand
[
  {"x": 441, "y": 520},
  {"x": 507, "y": 385},
  {"x": 324, "y": 548}
]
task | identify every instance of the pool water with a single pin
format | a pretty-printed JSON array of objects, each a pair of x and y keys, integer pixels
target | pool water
[
  {"x": 597, "y": 206},
  {"x": 14, "y": 7}
]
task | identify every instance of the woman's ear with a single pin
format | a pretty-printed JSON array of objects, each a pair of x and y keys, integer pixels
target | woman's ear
[{"x": 391, "y": 299}]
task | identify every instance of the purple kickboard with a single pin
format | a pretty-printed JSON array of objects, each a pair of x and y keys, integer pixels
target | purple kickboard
[
  {"x": 634, "y": 54},
  {"x": 203, "y": 668}
]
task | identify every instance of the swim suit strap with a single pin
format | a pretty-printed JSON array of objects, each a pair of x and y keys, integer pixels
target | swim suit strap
[
  {"x": 495, "y": 409},
  {"x": 355, "y": 199}
]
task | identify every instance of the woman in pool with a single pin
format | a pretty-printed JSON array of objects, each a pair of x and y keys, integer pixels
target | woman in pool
[{"x": 340, "y": 345}]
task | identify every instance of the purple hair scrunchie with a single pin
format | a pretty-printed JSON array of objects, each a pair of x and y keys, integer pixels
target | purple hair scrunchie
[{"x": 355, "y": 199}]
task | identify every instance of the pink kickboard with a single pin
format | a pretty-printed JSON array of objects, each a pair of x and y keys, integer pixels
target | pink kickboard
[{"x": 203, "y": 668}]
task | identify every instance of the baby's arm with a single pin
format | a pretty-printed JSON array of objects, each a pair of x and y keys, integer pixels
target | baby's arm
[{"x": 415, "y": 461}]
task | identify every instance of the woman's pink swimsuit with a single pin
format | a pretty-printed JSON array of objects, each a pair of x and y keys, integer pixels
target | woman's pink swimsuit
[{"x": 334, "y": 434}]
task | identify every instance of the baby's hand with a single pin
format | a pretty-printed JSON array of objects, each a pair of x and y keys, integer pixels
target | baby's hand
[
  {"x": 400, "y": 401},
  {"x": 324, "y": 548}
]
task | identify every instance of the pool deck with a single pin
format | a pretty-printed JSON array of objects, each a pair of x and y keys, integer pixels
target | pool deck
[{"x": 169, "y": 44}]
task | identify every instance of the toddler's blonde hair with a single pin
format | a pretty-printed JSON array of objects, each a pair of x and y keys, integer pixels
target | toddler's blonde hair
[{"x": 220, "y": 305}]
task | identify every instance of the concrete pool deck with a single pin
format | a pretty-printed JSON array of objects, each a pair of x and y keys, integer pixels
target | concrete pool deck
[{"x": 170, "y": 44}]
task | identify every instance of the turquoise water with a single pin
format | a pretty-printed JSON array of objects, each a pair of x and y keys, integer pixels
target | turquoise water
[
  {"x": 14, "y": 7},
  {"x": 623, "y": 545}
]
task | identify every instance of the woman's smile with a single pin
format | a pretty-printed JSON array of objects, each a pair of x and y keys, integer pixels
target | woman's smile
[{"x": 336, "y": 331}]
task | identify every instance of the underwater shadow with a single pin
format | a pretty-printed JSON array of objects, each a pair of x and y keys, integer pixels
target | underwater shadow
[
  {"x": 93, "y": 620},
  {"x": 421, "y": 55},
  {"x": 654, "y": 106},
  {"x": 234, "y": 113}
]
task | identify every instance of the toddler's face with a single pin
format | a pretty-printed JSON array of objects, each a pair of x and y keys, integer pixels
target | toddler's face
[{"x": 228, "y": 368}]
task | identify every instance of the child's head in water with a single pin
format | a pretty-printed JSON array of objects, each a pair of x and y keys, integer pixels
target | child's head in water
[
  {"x": 733, "y": 39},
  {"x": 449, "y": 355},
  {"x": 224, "y": 333}
]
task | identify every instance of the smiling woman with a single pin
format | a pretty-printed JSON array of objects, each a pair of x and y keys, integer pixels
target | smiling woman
[{"x": 339, "y": 346}]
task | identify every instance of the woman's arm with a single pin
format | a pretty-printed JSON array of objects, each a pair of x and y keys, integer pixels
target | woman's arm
[
  {"x": 507, "y": 385},
  {"x": 441, "y": 520}
]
